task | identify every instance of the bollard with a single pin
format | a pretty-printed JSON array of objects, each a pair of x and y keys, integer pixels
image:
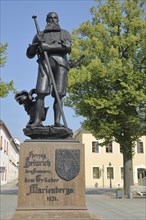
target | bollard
[{"x": 130, "y": 195}]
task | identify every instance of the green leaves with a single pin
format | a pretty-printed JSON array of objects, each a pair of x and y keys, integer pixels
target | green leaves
[
  {"x": 110, "y": 84},
  {"x": 3, "y": 57},
  {"x": 5, "y": 88},
  {"x": 114, "y": 104}
]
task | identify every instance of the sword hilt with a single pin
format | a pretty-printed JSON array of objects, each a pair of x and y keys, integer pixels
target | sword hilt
[{"x": 34, "y": 17}]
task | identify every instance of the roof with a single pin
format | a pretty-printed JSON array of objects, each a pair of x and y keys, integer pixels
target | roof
[
  {"x": 4, "y": 127},
  {"x": 6, "y": 130},
  {"x": 80, "y": 130}
]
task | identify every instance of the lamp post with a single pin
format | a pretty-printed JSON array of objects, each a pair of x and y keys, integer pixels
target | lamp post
[
  {"x": 103, "y": 175},
  {"x": 110, "y": 174}
]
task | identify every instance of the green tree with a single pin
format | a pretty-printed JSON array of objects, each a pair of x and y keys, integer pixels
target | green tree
[
  {"x": 4, "y": 87},
  {"x": 108, "y": 88}
]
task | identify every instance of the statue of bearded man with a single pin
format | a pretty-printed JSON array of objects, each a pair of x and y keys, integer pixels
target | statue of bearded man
[{"x": 57, "y": 43}]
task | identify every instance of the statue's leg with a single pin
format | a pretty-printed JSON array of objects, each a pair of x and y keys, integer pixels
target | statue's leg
[
  {"x": 57, "y": 112},
  {"x": 39, "y": 108},
  {"x": 61, "y": 83},
  {"x": 42, "y": 90}
]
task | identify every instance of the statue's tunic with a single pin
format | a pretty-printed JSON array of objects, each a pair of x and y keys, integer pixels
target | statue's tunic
[{"x": 58, "y": 62}]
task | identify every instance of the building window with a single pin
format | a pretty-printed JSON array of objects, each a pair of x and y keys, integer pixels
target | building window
[
  {"x": 140, "y": 147},
  {"x": 122, "y": 173},
  {"x": 5, "y": 175},
  {"x": 1, "y": 143},
  {"x": 141, "y": 173},
  {"x": 95, "y": 147},
  {"x": 96, "y": 173},
  {"x": 7, "y": 148},
  {"x": 2, "y": 176},
  {"x": 110, "y": 173},
  {"x": 109, "y": 148},
  {"x": 121, "y": 151}
]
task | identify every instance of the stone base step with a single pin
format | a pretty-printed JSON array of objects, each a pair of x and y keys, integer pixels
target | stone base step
[{"x": 53, "y": 215}]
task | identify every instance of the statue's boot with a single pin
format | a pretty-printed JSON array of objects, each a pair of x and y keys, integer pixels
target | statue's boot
[
  {"x": 57, "y": 113},
  {"x": 38, "y": 113}
]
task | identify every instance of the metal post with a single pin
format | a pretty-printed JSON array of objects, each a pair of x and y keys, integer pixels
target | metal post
[{"x": 110, "y": 175}]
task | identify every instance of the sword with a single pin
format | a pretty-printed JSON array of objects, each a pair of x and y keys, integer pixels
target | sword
[{"x": 50, "y": 72}]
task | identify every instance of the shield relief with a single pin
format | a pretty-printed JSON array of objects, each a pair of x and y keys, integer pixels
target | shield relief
[{"x": 67, "y": 163}]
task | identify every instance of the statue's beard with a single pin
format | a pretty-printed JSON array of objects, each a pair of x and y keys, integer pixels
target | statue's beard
[{"x": 52, "y": 27}]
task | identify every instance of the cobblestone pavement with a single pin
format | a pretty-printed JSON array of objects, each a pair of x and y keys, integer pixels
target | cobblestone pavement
[{"x": 105, "y": 205}]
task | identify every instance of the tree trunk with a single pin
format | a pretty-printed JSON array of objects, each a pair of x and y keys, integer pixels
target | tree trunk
[{"x": 128, "y": 173}]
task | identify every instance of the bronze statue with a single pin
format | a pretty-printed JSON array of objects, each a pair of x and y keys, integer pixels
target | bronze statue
[
  {"x": 51, "y": 47},
  {"x": 55, "y": 43}
]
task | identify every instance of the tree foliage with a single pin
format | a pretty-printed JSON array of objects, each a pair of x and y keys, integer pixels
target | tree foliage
[
  {"x": 3, "y": 57},
  {"x": 4, "y": 87},
  {"x": 109, "y": 87}
]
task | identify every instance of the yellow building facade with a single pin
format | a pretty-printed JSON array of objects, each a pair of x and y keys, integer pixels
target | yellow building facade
[{"x": 104, "y": 164}]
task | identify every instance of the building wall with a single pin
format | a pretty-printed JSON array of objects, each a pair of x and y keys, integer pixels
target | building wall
[
  {"x": 139, "y": 160},
  {"x": 9, "y": 156},
  {"x": 101, "y": 160},
  {"x": 13, "y": 164}
]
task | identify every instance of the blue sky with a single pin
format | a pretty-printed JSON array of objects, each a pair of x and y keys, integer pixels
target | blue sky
[{"x": 18, "y": 29}]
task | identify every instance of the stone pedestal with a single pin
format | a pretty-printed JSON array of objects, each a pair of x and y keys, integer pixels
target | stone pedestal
[{"x": 51, "y": 181}]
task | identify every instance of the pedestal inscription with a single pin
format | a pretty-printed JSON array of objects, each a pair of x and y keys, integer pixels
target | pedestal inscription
[{"x": 51, "y": 176}]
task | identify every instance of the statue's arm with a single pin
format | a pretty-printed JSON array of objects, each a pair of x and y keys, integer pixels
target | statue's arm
[
  {"x": 67, "y": 45},
  {"x": 67, "y": 42},
  {"x": 64, "y": 47},
  {"x": 33, "y": 48},
  {"x": 38, "y": 46}
]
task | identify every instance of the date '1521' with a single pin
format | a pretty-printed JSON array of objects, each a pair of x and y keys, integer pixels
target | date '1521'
[{"x": 52, "y": 198}]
